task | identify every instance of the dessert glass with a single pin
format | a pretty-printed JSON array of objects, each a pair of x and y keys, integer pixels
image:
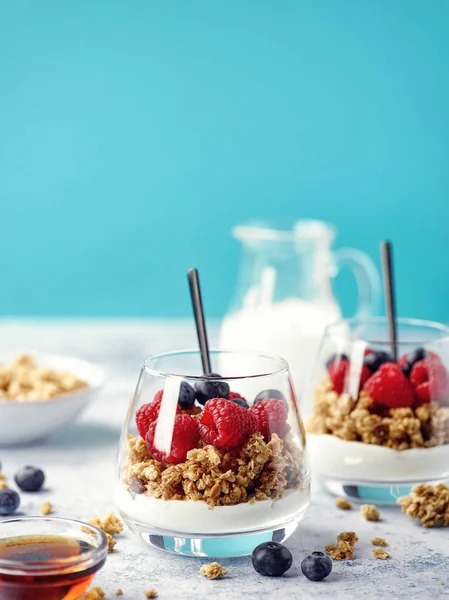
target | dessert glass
[
  {"x": 220, "y": 498},
  {"x": 374, "y": 431}
]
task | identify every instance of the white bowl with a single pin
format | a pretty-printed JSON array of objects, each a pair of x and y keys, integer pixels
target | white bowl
[{"x": 31, "y": 421}]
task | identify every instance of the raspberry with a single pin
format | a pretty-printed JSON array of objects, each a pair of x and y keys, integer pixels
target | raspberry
[
  {"x": 148, "y": 413},
  {"x": 271, "y": 417},
  {"x": 390, "y": 387},
  {"x": 430, "y": 380},
  {"x": 225, "y": 424},
  {"x": 233, "y": 395},
  {"x": 338, "y": 372},
  {"x": 185, "y": 437}
]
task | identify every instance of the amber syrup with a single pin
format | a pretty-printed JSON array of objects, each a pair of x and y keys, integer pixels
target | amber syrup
[{"x": 64, "y": 582}]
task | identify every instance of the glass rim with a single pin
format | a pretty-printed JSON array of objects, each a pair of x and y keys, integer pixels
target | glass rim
[
  {"x": 89, "y": 558},
  {"x": 283, "y": 365},
  {"x": 270, "y": 231},
  {"x": 422, "y": 323}
]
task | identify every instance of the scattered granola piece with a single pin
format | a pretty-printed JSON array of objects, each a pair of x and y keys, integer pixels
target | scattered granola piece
[
  {"x": 96, "y": 593},
  {"x": 369, "y": 512},
  {"x": 119, "y": 592},
  {"x": 379, "y": 553},
  {"x": 378, "y": 541},
  {"x": 348, "y": 536},
  {"x": 111, "y": 542},
  {"x": 213, "y": 571},
  {"x": 340, "y": 551},
  {"x": 2, "y": 476},
  {"x": 343, "y": 504},
  {"x": 109, "y": 524},
  {"x": 441, "y": 582},
  {"x": 428, "y": 503},
  {"x": 150, "y": 594},
  {"x": 46, "y": 508},
  {"x": 3, "y": 485}
]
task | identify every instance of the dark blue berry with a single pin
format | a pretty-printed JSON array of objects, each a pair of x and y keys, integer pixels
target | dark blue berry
[
  {"x": 335, "y": 357},
  {"x": 269, "y": 394},
  {"x": 186, "y": 397},
  {"x": 205, "y": 390},
  {"x": 374, "y": 359},
  {"x": 9, "y": 501},
  {"x": 317, "y": 566},
  {"x": 412, "y": 358},
  {"x": 241, "y": 402},
  {"x": 271, "y": 559},
  {"x": 30, "y": 479}
]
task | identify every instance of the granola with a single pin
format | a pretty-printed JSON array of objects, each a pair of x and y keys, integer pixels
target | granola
[
  {"x": 96, "y": 593},
  {"x": 150, "y": 593},
  {"x": 109, "y": 524},
  {"x": 361, "y": 420},
  {"x": 46, "y": 508},
  {"x": 428, "y": 503},
  {"x": 213, "y": 571},
  {"x": 343, "y": 504},
  {"x": 379, "y": 553},
  {"x": 259, "y": 471},
  {"x": 344, "y": 548},
  {"x": 119, "y": 592},
  {"x": 369, "y": 512},
  {"x": 378, "y": 541},
  {"x": 25, "y": 381}
]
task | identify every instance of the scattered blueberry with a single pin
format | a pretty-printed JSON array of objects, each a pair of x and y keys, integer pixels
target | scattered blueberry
[
  {"x": 186, "y": 397},
  {"x": 412, "y": 358},
  {"x": 269, "y": 394},
  {"x": 9, "y": 501},
  {"x": 335, "y": 357},
  {"x": 30, "y": 479},
  {"x": 374, "y": 359},
  {"x": 240, "y": 401},
  {"x": 317, "y": 566},
  {"x": 205, "y": 390},
  {"x": 271, "y": 559}
]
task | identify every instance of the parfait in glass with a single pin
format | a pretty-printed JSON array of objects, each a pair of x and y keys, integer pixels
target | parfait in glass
[
  {"x": 379, "y": 420},
  {"x": 213, "y": 465}
]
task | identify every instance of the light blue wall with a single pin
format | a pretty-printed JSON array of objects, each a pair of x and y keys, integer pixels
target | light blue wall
[{"x": 133, "y": 134}]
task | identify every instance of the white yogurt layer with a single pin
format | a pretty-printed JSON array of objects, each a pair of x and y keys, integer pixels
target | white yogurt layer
[
  {"x": 189, "y": 516},
  {"x": 362, "y": 463}
]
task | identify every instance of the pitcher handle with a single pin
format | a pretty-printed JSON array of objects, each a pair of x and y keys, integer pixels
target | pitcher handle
[{"x": 367, "y": 277}]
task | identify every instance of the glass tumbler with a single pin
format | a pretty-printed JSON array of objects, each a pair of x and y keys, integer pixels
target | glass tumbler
[
  {"x": 213, "y": 465},
  {"x": 378, "y": 420}
]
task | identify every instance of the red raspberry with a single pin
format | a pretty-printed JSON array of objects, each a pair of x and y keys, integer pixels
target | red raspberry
[
  {"x": 185, "y": 437},
  {"x": 233, "y": 395},
  {"x": 271, "y": 417},
  {"x": 148, "y": 413},
  {"x": 390, "y": 387},
  {"x": 430, "y": 380},
  {"x": 225, "y": 424},
  {"x": 339, "y": 370}
]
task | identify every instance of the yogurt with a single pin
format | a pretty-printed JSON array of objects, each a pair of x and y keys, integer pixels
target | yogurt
[
  {"x": 197, "y": 517},
  {"x": 357, "y": 462}
]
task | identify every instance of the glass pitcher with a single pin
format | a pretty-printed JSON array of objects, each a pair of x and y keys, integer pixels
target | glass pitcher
[{"x": 284, "y": 297}]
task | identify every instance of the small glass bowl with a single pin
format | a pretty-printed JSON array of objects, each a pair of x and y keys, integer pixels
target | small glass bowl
[
  {"x": 49, "y": 558},
  {"x": 371, "y": 438},
  {"x": 216, "y": 499}
]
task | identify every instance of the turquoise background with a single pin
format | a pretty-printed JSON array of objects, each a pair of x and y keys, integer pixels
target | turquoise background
[{"x": 134, "y": 134}]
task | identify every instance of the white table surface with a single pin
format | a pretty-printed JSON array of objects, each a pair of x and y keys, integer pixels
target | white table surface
[{"x": 79, "y": 463}]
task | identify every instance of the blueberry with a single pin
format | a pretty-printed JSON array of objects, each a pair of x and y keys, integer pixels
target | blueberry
[
  {"x": 269, "y": 394},
  {"x": 374, "y": 359},
  {"x": 335, "y": 357},
  {"x": 317, "y": 566},
  {"x": 240, "y": 401},
  {"x": 186, "y": 397},
  {"x": 271, "y": 559},
  {"x": 205, "y": 390},
  {"x": 412, "y": 358},
  {"x": 30, "y": 479},
  {"x": 9, "y": 501}
]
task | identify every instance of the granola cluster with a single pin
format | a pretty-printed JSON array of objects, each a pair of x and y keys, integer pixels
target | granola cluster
[
  {"x": 259, "y": 471},
  {"x": 110, "y": 525},
  {"x": 361, "y": 420},
  {"x": 344, "y": 548},
  {"x": 428, "y": 503},
  {"x": 213, "y": 571},
  {"x": 25, "y": 381}
]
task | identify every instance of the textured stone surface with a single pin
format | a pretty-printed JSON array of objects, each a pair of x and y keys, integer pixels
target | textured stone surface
[{"x": 80, "y": 466}]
